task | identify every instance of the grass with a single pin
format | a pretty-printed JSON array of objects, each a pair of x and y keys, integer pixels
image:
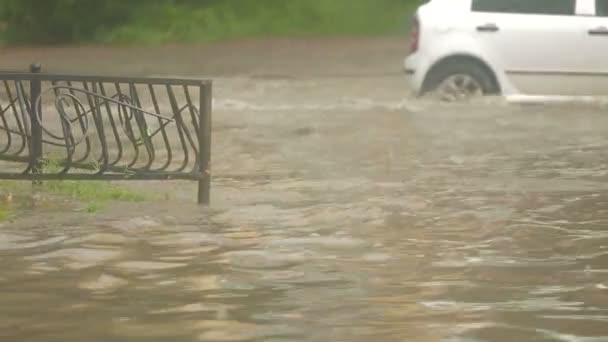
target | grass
[
  {"x": 189, "y": 21},
  {"x": 5, "y": 202},
  {"x": 157, "y": 24},
  {"x": 92, "y": 191},
  {"x": 93, "y": 195},
  {"x": 4, "y": 213},
  {"x": 153, "y": 22}
]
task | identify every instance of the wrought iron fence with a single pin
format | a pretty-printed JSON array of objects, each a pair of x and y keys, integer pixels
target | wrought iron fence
[{"x": 74, "y": 127}]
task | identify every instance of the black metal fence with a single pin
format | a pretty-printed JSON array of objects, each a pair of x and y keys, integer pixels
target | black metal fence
[{"x": 71, "y": 127}]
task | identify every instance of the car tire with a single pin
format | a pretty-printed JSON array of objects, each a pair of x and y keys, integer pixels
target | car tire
[{"x": 463, "y": 74}]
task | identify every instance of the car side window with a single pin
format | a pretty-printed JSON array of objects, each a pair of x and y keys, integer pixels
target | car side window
[
  {"x": 601, "y": 8},
  {"x": 546, "y": 7}
]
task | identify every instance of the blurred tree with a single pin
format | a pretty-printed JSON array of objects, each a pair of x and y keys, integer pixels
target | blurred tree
[{"x": 62, "y": 21}]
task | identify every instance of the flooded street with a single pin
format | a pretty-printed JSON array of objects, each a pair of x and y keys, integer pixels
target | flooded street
[{"x": 342, "y": 209}]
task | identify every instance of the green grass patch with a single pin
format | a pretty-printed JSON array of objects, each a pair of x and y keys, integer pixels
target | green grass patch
[
  {"x": 223, "y": 20},
  {"x": 188, "y": 21},
  {"x": 98, "y": 191},
  {"x": 93, "y": 195},
  {"x": 4, "y": 213},
  {"x": 166, "y": 21}
]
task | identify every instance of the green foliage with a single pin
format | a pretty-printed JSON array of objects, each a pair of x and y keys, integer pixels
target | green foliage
[
  {"x": 89, "y": 191},
  {"x": 92, "y": 195},
  {"x": 262, "y": 18},
  {"x": 62, "y": 21},
  {"x": 4, "y": 213},
  {"x": 161, "y": 21},
  {"x": 92, "y": 191}
]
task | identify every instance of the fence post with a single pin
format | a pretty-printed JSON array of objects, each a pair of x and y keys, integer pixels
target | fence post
[
  {"x": 35, "y": 113},
  {"x": 204, "y": 143}
]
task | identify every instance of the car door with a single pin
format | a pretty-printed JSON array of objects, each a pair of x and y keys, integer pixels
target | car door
[
  {"x": 595, "y": 54},
  {"x": 537, "y": 43}
]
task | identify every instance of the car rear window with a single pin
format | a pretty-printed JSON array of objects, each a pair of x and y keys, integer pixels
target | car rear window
[
  {"x": 601, "y": 8},
  {"x": 547, "y": 7}
]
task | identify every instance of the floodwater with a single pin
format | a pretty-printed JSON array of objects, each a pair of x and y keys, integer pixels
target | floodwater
[{"x": 343, "y": 210}]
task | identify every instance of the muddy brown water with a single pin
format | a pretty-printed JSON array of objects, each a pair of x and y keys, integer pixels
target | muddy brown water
[{"x": 343, "y": 210}]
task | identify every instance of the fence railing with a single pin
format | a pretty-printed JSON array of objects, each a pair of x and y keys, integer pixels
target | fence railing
[{"x": 75, "y": 127}]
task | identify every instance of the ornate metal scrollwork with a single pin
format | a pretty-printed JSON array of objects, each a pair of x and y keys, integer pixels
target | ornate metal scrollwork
[{"x": 105, "y": 128}]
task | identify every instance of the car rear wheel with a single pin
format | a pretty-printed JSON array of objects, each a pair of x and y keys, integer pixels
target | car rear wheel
[{"x": 459, "y": 81}]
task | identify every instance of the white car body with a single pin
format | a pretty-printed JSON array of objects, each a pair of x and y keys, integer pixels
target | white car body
[{"x": 530, "y": 55}]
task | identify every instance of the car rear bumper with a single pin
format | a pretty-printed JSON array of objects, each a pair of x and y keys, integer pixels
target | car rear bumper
[{"x": 413, "y": 73}]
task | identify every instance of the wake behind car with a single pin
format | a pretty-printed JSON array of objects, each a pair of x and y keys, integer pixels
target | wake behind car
[{"x": 541, "y": 48}]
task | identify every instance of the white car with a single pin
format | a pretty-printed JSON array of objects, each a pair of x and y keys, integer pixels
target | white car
[{"x": 513, "y": 48}]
